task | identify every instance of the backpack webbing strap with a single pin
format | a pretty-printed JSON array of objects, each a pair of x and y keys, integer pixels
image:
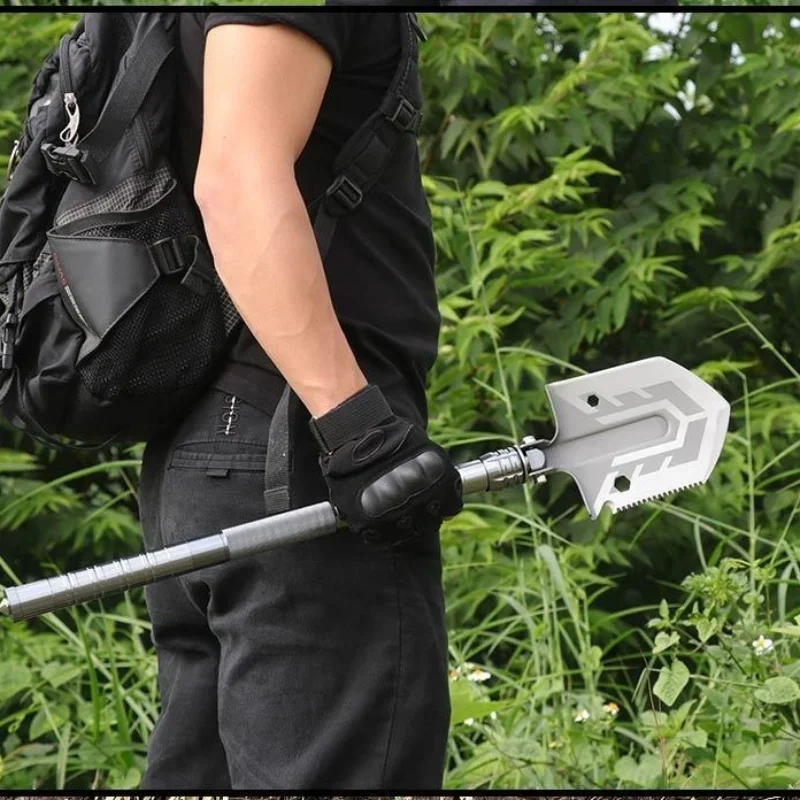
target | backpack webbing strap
[
  {"x": 367, "y": 153},
  {"x": 126, "y": 98},
  {"x": 277, "y": 471}
]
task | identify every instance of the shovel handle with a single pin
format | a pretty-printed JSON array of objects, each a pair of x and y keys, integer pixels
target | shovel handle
[{"x": 496, "y": 470}]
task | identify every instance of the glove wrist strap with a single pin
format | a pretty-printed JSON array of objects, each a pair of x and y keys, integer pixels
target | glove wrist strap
[{"x": 366, "y": 408}]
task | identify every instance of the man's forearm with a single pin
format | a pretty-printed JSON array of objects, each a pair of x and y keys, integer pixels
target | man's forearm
[{"x": 267, "y": 258}]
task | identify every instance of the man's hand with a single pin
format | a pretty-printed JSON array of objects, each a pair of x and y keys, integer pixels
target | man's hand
[{"x": 387, "y": 480}]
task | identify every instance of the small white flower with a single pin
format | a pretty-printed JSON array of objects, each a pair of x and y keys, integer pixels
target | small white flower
[
  {"x": 493, "y": 715},
  {"x": 582, "y": 715},
  {"x": 478, "y": 675},
  {"x": 611, "y": 708},
  {"x": 762, "y": 645},
  {"x": 469, "y": 721}
]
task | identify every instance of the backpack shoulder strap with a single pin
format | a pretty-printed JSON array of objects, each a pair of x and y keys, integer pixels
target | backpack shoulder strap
[
  {"x": 367, "y": 153},
  {"x": 152, "y": 46}
]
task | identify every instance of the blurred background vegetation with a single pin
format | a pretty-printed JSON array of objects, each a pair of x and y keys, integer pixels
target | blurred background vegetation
[{"x": 605, "y": 187}]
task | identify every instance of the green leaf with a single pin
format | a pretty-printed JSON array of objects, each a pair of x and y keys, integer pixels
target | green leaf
[
  {"x": 664, "y": 641},
  {"x": 130, "y": 778},
  {"x": 490, "y": 189},
  {"x": 548, "y": 555},
  {"x": 14, "y": 678},
  {"x": 653, "y": 719},
  {"x": 57, "y": 673},
  {"x": 695, "y": 738},
  {"x": 786, "y": 630},
  {"x": 43, "y": 724},
  {"x": 625, "y": 769},
  {"x": 651, "y": 767},
  {"x": 785, "y": 776},
  {"x": 779, "y": 691},
  {"x": 11, "y": 461},
  {"x": 791, "y": 123},
  {"x": 644, "y": 773},
  {"x": 758, "y": 760},
  {"x": 621, "y": 302},
  {"x": 706, "y": 628},
  {"x": 671, "y": 682},
  {"x": 467, "y": 703}
]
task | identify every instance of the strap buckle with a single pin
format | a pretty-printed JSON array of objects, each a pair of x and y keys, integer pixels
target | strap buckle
[
  {"x": 68, "y": 161},
  {"x": 199, "y": 274},
  {"x": 406, "y": 116},
  {"x": 8, "y": 331},
  {"x": 169, "y": 256},
  {"x": 346, "y": 193}
]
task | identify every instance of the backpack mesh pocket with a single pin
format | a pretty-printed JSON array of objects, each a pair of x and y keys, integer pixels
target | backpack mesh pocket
[
  {"x": 172, "y": 338},
  {"x": 168, "y": 342},
  {"x": 155, "y": 334}
]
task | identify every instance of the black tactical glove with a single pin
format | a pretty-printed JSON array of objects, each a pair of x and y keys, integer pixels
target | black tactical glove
[{"x": 386, "y": 478}]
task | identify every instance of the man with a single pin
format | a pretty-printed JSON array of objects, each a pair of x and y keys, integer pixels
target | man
[{"x": 321, "y": 665}]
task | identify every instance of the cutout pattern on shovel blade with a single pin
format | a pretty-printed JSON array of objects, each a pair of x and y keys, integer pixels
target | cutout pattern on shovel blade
[{"x": 636, "y": 432}]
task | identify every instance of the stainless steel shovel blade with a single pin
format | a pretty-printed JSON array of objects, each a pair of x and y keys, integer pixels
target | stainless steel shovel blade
[{"x": 635, "y": 432}]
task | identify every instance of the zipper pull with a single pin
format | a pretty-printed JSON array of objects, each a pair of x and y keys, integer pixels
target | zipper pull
[
  {"x": 70, "y": 132},
  {"x": 7, "y": 342}
]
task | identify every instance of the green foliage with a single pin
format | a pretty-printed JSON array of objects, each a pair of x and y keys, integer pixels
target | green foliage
[
  {"x": 602, "y": 191},
  {"x": 77, "y": 700}
]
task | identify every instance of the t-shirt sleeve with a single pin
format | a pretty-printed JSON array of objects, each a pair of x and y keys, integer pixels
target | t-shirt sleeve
[{"x": 330, "y": 29}]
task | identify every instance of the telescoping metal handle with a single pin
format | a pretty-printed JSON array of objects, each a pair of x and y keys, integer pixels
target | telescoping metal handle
[{"x": 496, "y": 470}]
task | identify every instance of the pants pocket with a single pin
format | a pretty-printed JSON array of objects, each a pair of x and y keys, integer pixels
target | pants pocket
[
  {"x": 212, "y": 469},
  {"x": 220, "y": 464}
]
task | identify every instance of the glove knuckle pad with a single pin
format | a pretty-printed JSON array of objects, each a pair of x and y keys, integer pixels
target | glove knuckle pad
[{"x": 397, "y": 486}]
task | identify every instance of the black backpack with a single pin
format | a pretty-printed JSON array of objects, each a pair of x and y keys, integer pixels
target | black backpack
[{"x": 112, "y": 317}]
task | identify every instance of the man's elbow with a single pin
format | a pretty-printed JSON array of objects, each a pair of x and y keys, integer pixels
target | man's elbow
[
  {"x": 211, "y": 187},
  {"x": 226, "y": 189},
  {"x": 221, "y": 193}
]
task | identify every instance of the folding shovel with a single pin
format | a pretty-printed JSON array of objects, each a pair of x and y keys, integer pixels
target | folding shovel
[{"x": 625, "y": 435}]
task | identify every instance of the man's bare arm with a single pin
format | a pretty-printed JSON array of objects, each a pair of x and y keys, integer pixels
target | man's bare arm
[{"x": 263, "y": 86}]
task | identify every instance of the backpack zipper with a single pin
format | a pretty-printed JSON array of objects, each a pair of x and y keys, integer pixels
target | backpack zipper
[
  {"x": 70, "y": 132},
  {"x": 63, "y": 64},
  {"x": 13, "y": 159}
]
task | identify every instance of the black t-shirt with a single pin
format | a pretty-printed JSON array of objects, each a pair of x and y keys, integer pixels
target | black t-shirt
[{"x": 380, "y": 263}]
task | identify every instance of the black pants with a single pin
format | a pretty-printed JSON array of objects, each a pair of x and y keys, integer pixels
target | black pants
[{"x": 321, "y": 665}]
